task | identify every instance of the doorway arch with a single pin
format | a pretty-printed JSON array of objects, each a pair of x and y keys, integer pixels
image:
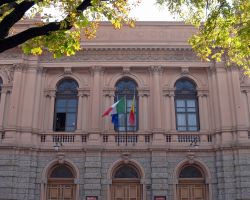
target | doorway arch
[
  {"x": 61, "y": 183},
  {"x": 126, "y": 183},
  {"x": 191, "y": 183}
]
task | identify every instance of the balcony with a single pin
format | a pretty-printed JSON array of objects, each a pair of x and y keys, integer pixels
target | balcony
[{"x": 132, "y": 140}]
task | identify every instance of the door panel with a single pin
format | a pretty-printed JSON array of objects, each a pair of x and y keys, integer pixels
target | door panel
[
  {"x": 126, "y": 191},
  {"x": 60, "y": 192},
  {"x": 192, "y": 192}
]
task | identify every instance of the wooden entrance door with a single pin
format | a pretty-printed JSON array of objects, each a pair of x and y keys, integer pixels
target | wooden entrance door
[
  {"x": 191, "y": 191},
  {"x": 126, "y": 191},
  {"x": 60, "y": 192}
]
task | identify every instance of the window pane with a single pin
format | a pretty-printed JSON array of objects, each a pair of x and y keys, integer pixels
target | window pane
[
  {"x": 126, "y": 172},
  {"x": 190, "y": 172},
  {"x": 60, "y": 121},
  {"x": 72, "y": 103},
  {"x": 71, "y": 119},
  {"x": 193, "y": 128},
  {"x": 191, "y": 103},
  {"x": 180, "y": 109},
  {"x": 181, "y": 121},
  {"x": 192, "y": 120},
  {"x": 191, "y": 110},
  {"x": 61, "y": 172},
  {"x": 180, "y": 103},
  {"x": 181, "y": 128}
]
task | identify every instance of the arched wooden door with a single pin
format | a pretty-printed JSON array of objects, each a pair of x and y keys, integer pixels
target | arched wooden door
[
  {"x": 61, "y": 184},
  {"x": 191, "y": 184},
  {"x": 126, "y": 184}
]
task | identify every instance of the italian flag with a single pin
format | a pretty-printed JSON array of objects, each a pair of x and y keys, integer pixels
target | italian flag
[
  {"x": 132, "y": 113},
  {"x": 117, "y": 108}
]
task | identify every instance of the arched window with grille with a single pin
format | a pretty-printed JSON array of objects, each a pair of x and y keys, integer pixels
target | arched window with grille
[
  {"x": 186, "y": 106},
  {"x": 61, "y": 183},
  {"x": 127, "y": 88},
  {"x": 66, "y": 105}
]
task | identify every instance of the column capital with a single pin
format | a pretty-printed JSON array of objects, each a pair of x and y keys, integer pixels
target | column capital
[
  {"x": 6, "y": 88},
  {"x": 155, "y": 69},
  {"x": 83, "y": 92},
  {"x": 109, "y": 92},
  {"x": 202, "y": 93},
  {"x": 143, "y": 91},
  {"x": 97, "y": 69},
  {"x": 50, "y": 92},
  {"x": 168, "y": 91}
]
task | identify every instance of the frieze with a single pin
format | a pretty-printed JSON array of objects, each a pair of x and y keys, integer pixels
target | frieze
[{"x": 125, "y": 55}]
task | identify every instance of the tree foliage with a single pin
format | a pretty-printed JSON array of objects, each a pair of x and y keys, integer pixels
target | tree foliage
[
  {"x": 223, "y": 25},
  {"x": 61, "y": 36},
  {"x": 223, "y": 28}
]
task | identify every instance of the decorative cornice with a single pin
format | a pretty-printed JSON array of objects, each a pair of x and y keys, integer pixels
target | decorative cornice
[{"x": 126, "y": 54}]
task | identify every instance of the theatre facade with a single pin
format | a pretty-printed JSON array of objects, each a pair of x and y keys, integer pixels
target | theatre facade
[{"x": 190, "y": 139}]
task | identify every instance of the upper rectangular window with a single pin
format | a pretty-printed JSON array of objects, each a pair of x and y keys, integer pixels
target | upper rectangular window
[
  {"x": 66, "y": 106},
  {"x": 186, "y": 106}
]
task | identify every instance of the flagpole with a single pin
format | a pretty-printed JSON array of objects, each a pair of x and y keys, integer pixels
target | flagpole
[
  {"x": 126, "y": 120},
  {"x": 135, "y": 119},
  {"x": 118, "y": 128}
]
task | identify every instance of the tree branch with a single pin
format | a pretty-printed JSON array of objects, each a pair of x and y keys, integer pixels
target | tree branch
[
  {"x": 13, "y": 17},
  {"x": 33, "y": 32},
  {"x": 6, "y": 2}
]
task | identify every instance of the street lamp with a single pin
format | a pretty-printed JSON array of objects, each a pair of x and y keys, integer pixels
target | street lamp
[
  {"x": 194, "y": 143},
  {"x": 57, "y": 145}
]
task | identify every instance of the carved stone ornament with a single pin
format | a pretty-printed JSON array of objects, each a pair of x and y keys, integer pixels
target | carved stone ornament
[
  {"x": 125, "y": 157},
  {"x": 8, "y": 72},
  {"x": 67, "y": 71},
  {"x": 155, "y": 69},
  {"x": 60, "y": 158},
  {"x": 190, "y": 157},
  {"x": 126, "y": 70},
  {"x": 184, "y": 71}
]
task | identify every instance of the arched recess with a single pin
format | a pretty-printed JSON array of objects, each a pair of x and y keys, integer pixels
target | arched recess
[
  {"x": 60, "y": 180},
  {"x": 192, "y": 78},
  {"x": 127, "y": 181},
  {"x": 192, "y": 181},
  {"x": 53, "y": 83},
  {"x": 120, "y": 76}
]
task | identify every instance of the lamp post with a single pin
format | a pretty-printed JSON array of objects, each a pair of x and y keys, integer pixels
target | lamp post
[
  {"x": 57, "y": 144},
  {"x": 194, "y": 142}
]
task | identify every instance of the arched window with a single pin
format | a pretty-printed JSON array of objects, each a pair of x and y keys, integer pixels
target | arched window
[
  {"x": 186, "y": 106},
  {"x": 192, "y": 184},
  {"x": 126, "y": 171},
  {"x": 127, "y": 88},
  {"x": 190, "y": 172},
  {"x": 66, "y": 105}
]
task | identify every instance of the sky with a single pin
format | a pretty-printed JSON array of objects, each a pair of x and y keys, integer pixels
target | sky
[{"x": 148, "y": 11}]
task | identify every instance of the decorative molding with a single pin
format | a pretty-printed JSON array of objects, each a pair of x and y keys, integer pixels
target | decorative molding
[
  {"x": 109, "y": 92},
  {"x": 126, "y": 54}
]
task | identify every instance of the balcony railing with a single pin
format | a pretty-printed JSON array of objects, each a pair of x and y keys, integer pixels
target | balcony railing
[{"x": 178, "y": 140}]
